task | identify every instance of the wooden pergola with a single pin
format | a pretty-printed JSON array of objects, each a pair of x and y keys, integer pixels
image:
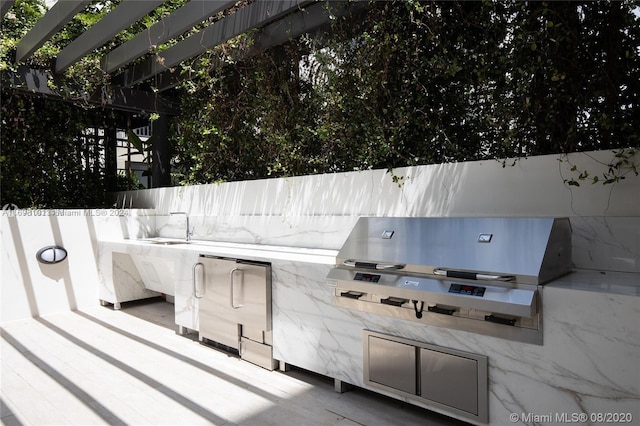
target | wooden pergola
[{"x": 130, "y": 65}]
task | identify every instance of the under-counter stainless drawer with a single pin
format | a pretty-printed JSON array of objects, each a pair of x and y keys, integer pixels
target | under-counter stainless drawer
[
  {"x": 392, "y": 364},
  {"x": 257, "y": 353}
]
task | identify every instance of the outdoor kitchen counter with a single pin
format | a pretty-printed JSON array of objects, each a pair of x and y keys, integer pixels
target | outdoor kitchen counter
[
  {"x": 123, "y": 265},
  {"x": 120, "y": 266},
  {"x": 587, "y": 363},
  {"x": 219, "y": 248}
]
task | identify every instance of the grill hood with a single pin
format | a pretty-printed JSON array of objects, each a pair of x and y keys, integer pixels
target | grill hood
[{"x": 524, "y": 250}]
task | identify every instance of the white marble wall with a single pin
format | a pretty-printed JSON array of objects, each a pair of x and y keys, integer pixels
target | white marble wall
[{"x": 607, "y": 243}]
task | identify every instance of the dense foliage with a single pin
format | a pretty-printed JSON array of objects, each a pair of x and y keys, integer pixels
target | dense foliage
[
  {"x": 44, "y": 163},
  {"x": 45, "y": 159},
  {"x": 417, "y": 83},
  {"x": 409, "y": 82}
]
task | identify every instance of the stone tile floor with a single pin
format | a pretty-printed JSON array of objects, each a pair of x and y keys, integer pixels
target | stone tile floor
[{"x": 104, "y": 367}]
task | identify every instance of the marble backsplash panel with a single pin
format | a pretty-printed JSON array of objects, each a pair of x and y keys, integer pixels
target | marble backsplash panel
[
  {"x": 606, "y": 243},
  {"x": 323, "y": 232}
]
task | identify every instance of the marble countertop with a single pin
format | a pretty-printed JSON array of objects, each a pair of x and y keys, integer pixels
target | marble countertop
[
  {"x": 158, "y": 246},
  {"x": 608, "y": 282}
]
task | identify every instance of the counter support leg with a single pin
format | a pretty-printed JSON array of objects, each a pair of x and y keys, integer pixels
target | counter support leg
[
  {"x": 340, "y": 386},
  {"x": 283, "y": 366}
]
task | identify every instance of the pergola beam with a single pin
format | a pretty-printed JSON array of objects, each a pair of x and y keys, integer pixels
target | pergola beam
[
  {"x": 37, "y": 81},
  {"x": 61, "y": 13},
  {"x": 249, "y": 17},
  {"x": 309, "y": 19},
  {"x": 123, "y": 16},
  {"x": 167, "y": 28}
]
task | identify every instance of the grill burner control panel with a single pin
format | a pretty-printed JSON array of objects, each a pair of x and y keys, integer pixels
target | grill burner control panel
[
  {"x": 493, "y": 309},
  {"x": 469, "y": 290},
  {"x": 369, "y": 278}
]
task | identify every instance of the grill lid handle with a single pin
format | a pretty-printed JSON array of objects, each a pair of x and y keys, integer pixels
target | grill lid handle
[
  {"x": 367, "y": 265},
  {"x": 472, "y": 275}
]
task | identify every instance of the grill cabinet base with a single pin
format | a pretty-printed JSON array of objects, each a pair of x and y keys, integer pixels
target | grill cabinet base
[{"x": 447, "y": 379}]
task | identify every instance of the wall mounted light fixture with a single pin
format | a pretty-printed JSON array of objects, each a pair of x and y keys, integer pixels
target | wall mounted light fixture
[{"x": 51, "y": 254}]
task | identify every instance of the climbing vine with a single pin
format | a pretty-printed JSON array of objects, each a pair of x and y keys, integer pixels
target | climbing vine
[
  {"x": 624, "y": 162},
  {"x": 403, "y": 83},
  {"x": 418, "y": 83}
]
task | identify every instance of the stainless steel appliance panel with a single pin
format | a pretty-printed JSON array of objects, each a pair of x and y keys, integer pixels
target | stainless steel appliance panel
[
  {"x": 483, "y": 275},
  {"x": 497, "y": 299},
  {"x": 465, "y": 244},
  {"x": 217, "y": 317},
  {"x": 235, "y": 306},
  {"x": 392, "y": 364},
  {"x": 250, "y": 285},
  {"x": 253, "y": 334},
  {"x": 449, "y": 379},
  {"x": 257, "y": 353}
]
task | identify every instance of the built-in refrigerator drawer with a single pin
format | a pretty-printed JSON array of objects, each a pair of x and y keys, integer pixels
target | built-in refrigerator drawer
[
  {"x": 217, "y": 313},
  {"x": 392, "y": 364},
  {"x": 235, "y": 306},
  {"x": 257, "y": 353}
]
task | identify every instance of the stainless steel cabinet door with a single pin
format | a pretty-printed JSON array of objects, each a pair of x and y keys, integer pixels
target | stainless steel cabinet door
[
  {"x": 251, "y": 295},
  {"x": 391, "y": 364},
  {"x": 450, "y": 380},
  {"x": 217, "y": 315},
  {"x": 236, "y": 296}
]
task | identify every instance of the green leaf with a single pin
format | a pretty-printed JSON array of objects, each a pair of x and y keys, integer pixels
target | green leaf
[{"x": 135, "y": 140}]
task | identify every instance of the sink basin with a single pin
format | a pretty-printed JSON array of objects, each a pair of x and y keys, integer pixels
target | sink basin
[{"x": 165, "y": 241}]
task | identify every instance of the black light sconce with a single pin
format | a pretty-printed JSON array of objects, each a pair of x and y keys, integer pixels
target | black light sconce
[{"x": 51, "y": 254}]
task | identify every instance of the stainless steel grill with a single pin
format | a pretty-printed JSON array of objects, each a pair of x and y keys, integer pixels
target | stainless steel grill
[{"x": 483, "y": 275}]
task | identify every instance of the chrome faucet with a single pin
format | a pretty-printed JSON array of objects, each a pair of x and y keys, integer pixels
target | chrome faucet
[{"x": 189, "y": 233}]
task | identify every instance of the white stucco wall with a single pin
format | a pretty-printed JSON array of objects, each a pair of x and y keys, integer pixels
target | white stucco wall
[{"x": 532, "y": 187}]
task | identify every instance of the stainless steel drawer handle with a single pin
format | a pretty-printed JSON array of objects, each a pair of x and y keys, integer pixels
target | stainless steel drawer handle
[
  {"x": 472, "y": 275},
  {"x": 195, "y": 281},
  {"x": 367, "y": 265},
  {"x": 231, "y": 282}
]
